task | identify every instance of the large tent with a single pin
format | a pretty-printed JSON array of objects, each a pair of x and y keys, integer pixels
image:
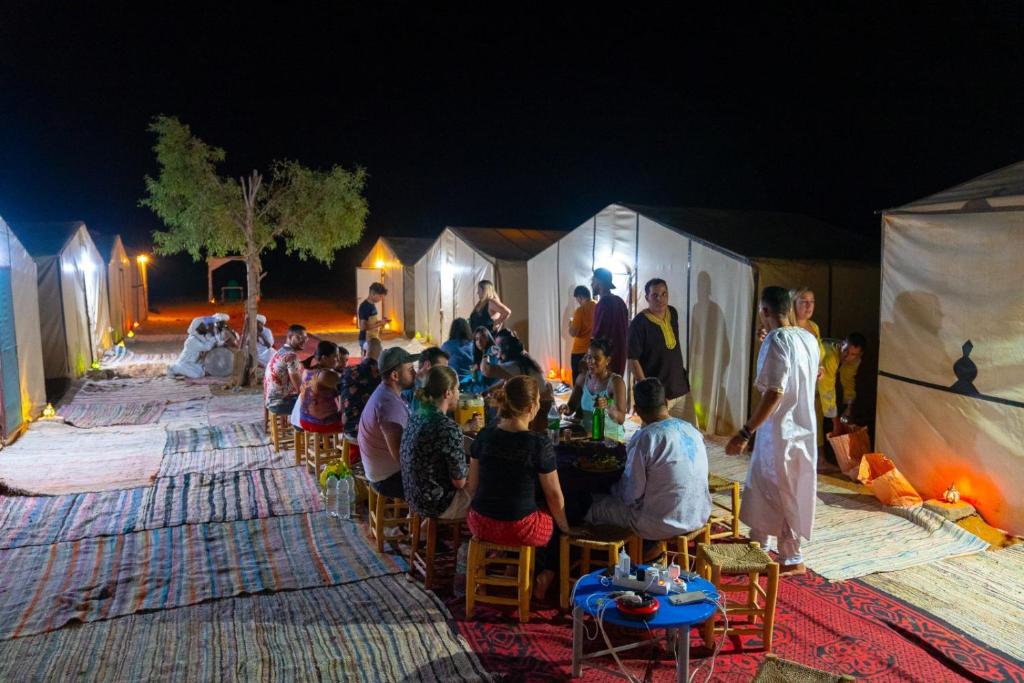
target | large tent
[
  {"x": 23, "y": 390},
  {"x": 951, "y": 362},
  {"x": 447, "y": 275},
  {"x": 714, "y": 263},
  {"x": 73, "y": 304},
  {"x": 392, "y": 262},
  {"x": 119, "y": 284}
]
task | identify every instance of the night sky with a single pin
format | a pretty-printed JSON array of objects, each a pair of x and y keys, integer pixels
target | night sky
[{"x": 462, "y": 117}]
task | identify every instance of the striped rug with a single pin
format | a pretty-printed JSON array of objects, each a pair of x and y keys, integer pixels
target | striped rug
[
  {"x": 210, "y": 438},
  {"x": 86, "y": 415},
  {"x": 235, "y": 408},
  {"x": 133, "y": 390},
  {"x": 994, "y": 612},
  {"x": 230, "y": 496},
  {"x": 380, "y": 629},
  {"x": 185, "y": 499},
  {"x": 54, "y": 459},
  {"x": 226, "y": 460},
  {"x": 42, "y": 588},
  {"x": 186, "y": 414},
  {"x": 854, "y": 535}
]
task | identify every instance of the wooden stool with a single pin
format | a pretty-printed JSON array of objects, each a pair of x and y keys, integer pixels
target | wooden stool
[
  {"x": 773, "y": 669},
  {"x": 423, "y": 563},
  {"x": 701, "y": 535},
  {"x": 386, "y": 513},
  {"x": 605, "y": 539},
  {"x": 721, "y": 514},
  {"x": 478, "y": 578},
  {"x": 281, "y": 432},
  {"x": 300, "y": 445},
  {"x": 362, "y": 484},
  {"x": 736, "y": 559},
  {"x": 319, "y": 450}
]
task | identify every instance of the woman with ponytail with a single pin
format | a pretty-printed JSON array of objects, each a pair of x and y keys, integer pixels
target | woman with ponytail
[
  {"x": 507, "y": 464},
  {"x": 433, "y": 462}
]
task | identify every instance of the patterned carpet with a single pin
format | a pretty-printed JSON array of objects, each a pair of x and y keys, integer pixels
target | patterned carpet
[
  {"x": 226, "y": 460},
  {"x": 86, "y": 415},
  {"x": 212, "y": 438}
]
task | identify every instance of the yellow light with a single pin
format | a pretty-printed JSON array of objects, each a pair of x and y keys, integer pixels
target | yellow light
[
  {"x": 387, "y": 326},
  {"x": 130, "y": 334},
  {"x": 142, "y": 258},
  {"x": 379, "y": 264},
  {"x": 213, "y": 301},
  {"x": 48, "y": 411},
  {"x": 136, "y": 325},
  {"x": 552, "y": 374},
  {"x": 95, "y": 365},
  {"x": 121, "y": 343}
]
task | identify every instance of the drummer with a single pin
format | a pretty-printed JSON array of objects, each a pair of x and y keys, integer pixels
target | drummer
[
  {"x": 223, "y": 332},
  {"x": 599, "y": 387}
]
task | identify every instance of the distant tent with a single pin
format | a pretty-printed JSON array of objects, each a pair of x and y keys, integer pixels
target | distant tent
[
  {"x": 392, "y": 261},
  {"x": 73, "y": 305},
  {"x": 714, "y": 262},
  {"x": 139, "y": 297},
  {"x": 119, "y": 284},
  {"x": 22, "y": 391},
  {"x": 951, "y": 361},
  {"x": 447, "y": 275}
]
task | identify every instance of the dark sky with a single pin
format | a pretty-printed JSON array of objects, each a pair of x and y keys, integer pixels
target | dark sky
[{"x": 469, "y": 118}]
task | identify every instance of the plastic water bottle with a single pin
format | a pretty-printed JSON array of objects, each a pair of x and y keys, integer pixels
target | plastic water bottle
[
  {"x": 343, "y": 500},
  {"x": 459, "y": 581},
  {"x": 331, "y": 493},
  {"x": 554, "y": 423}
]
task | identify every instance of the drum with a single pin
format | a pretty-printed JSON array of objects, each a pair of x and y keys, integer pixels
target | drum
[{"x": 219, "y": 362}]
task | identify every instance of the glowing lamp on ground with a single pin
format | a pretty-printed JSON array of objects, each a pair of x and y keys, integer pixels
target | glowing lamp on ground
[
  {"x": 48, "y": 412},
  {"x": 213, "y": 301},
  {"x": 95, "y": 365},
  {"x": 553, "y": 373},
  {"x": 951, "y": 495},
  {"x": 387, "y": 327},
  {"x": 130, "y": 334},
  {"x": 136, "y": 325}
]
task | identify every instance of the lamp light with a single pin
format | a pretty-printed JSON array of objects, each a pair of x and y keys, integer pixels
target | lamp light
[
  {"x": 379, "y": 264},
  {"x": 48, "y": 412},
  {"x": 142, "y": 259},
  {"x": 130, "y": 334}
]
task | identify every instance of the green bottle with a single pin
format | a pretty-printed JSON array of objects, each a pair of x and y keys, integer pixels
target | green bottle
[{"x": 597, "y": 425}]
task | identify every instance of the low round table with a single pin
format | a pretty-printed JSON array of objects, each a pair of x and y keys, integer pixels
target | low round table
[{"x": 676, "y": 620}]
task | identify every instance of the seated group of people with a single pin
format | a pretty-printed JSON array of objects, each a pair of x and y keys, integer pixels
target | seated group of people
[{"x": 206, "y": 333}]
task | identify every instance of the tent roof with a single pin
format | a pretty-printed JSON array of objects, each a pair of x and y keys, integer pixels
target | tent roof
[
  {"x": 105, "y": 243},
  {"x": 509, "y": 244},
  {"x": 409, "y": 250},
  {"x": 1004, "y": 182},
  {"x": 46, "y": 239},
  {"x": 761, "y": 234}
]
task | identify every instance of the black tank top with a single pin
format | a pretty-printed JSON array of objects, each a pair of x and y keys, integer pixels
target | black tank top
[{"x": 481, "y": 317}]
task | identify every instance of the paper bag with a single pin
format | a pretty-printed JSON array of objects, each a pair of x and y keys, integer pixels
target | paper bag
[
  {"x": 886, "y": 482},
  {"x": 849, "y": 448}
]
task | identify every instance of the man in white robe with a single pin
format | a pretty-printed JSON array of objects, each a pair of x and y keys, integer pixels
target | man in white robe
[
  {"x": 779, "y": 496},
  {"x": 198, "y": 342},
  {"x": 264, "y": 341}
]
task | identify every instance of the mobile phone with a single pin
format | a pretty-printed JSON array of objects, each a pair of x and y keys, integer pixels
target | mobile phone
[{"x": 688, "y": 598}]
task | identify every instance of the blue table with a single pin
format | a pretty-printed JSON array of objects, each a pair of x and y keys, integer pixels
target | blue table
[{"x": 676, "y": 620}]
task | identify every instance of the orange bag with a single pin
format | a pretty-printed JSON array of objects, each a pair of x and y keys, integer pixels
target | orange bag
[
  {"x": 886, "y": 482},
  {"x": 849, "y": 448}
]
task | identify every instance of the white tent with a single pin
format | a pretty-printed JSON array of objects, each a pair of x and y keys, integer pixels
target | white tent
[
  {"x": 139, "y": 287},
  {"x": 714, "y": 263},
  {"x": 446, "y": 277},
  {"x": 392, "y": 262},
  {"x": 73, "y": 304},
  {"x": 951, "y": 362},
  {"x": 23, "y": 391},
  {"x": 119, "y": 285}
]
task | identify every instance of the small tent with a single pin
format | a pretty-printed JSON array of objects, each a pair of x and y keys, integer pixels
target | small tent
[
  {"x": 714, "y": 262},
  {"x": 446, "y": 277},
  {"x": 139, "y": 301},
  {"x": 392, "y": 262},
  {"x": 22, "y": 390},
  {"x": 73, "y": 304},
  {"x": 951, "y": 362},
  {"x": 119, "y": 284}
]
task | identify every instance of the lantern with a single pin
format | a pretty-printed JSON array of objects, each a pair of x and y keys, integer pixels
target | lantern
[
  {"x": 49, "y": 412},
  {"x": 951, "y": 495}
]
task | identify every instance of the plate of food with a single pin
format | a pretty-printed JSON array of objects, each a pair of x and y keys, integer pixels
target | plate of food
[{"x": 602, "y": 461}]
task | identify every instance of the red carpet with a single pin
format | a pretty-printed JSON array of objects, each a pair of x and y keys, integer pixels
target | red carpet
[{"x": 841, "y": 627}]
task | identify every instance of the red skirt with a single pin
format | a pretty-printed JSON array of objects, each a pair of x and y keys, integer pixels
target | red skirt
[
  {"x": 320, "y": 428},
  {"x": 534, "y": 529}
]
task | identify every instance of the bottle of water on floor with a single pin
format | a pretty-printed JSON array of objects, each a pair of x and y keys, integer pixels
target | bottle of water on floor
[
  {"x": 343, "y": 499},
  {"x": 331, "y": 493}
]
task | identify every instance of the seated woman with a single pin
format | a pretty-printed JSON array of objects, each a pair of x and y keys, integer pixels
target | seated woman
[
  {"x": 599, "y": 387},
  {"x": 507, "y": 462},
  {"x": 513, "y": 361},
  {"x": 459, "y": 348},
  {"x": 318, "y": 405},
  {"x": 434, "y": 466}
]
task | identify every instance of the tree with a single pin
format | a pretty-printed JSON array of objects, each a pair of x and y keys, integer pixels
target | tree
[{"x": 314, "y": 213}]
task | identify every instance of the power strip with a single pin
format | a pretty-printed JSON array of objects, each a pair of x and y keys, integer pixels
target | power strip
[{"x": 656, "y": 584}]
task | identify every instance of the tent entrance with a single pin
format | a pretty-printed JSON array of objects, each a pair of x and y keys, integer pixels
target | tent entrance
[{"x": 11, "y": 391}]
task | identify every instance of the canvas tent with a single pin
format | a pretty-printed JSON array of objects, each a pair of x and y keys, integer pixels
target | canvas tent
[
  {"x": 447, "y": 275},
  {"x": 139, "y": 297},
  {"x": 714, "y": 263},
  {"x": 73, "y": 304},
  {"x": 119, "y": 285},
  {"x": 22, "y": 391},
  {"x": 392, "y": 262},
  {"x": 951, "y": 362}
]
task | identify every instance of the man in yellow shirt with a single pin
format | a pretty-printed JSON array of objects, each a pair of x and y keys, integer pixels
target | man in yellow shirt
[
  {"x": 842, "y": 361},
  {"x": 580, "y": 325}
]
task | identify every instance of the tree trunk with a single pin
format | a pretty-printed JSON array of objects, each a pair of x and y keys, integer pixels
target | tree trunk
[{"x": 253, "y": 266}]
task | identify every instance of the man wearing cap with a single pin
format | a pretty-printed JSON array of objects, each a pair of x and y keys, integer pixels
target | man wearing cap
[
  {"x": 611, "y": 318},
  {"x": 382, "y": 422},
  {"x": 264, "y": 341}
]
